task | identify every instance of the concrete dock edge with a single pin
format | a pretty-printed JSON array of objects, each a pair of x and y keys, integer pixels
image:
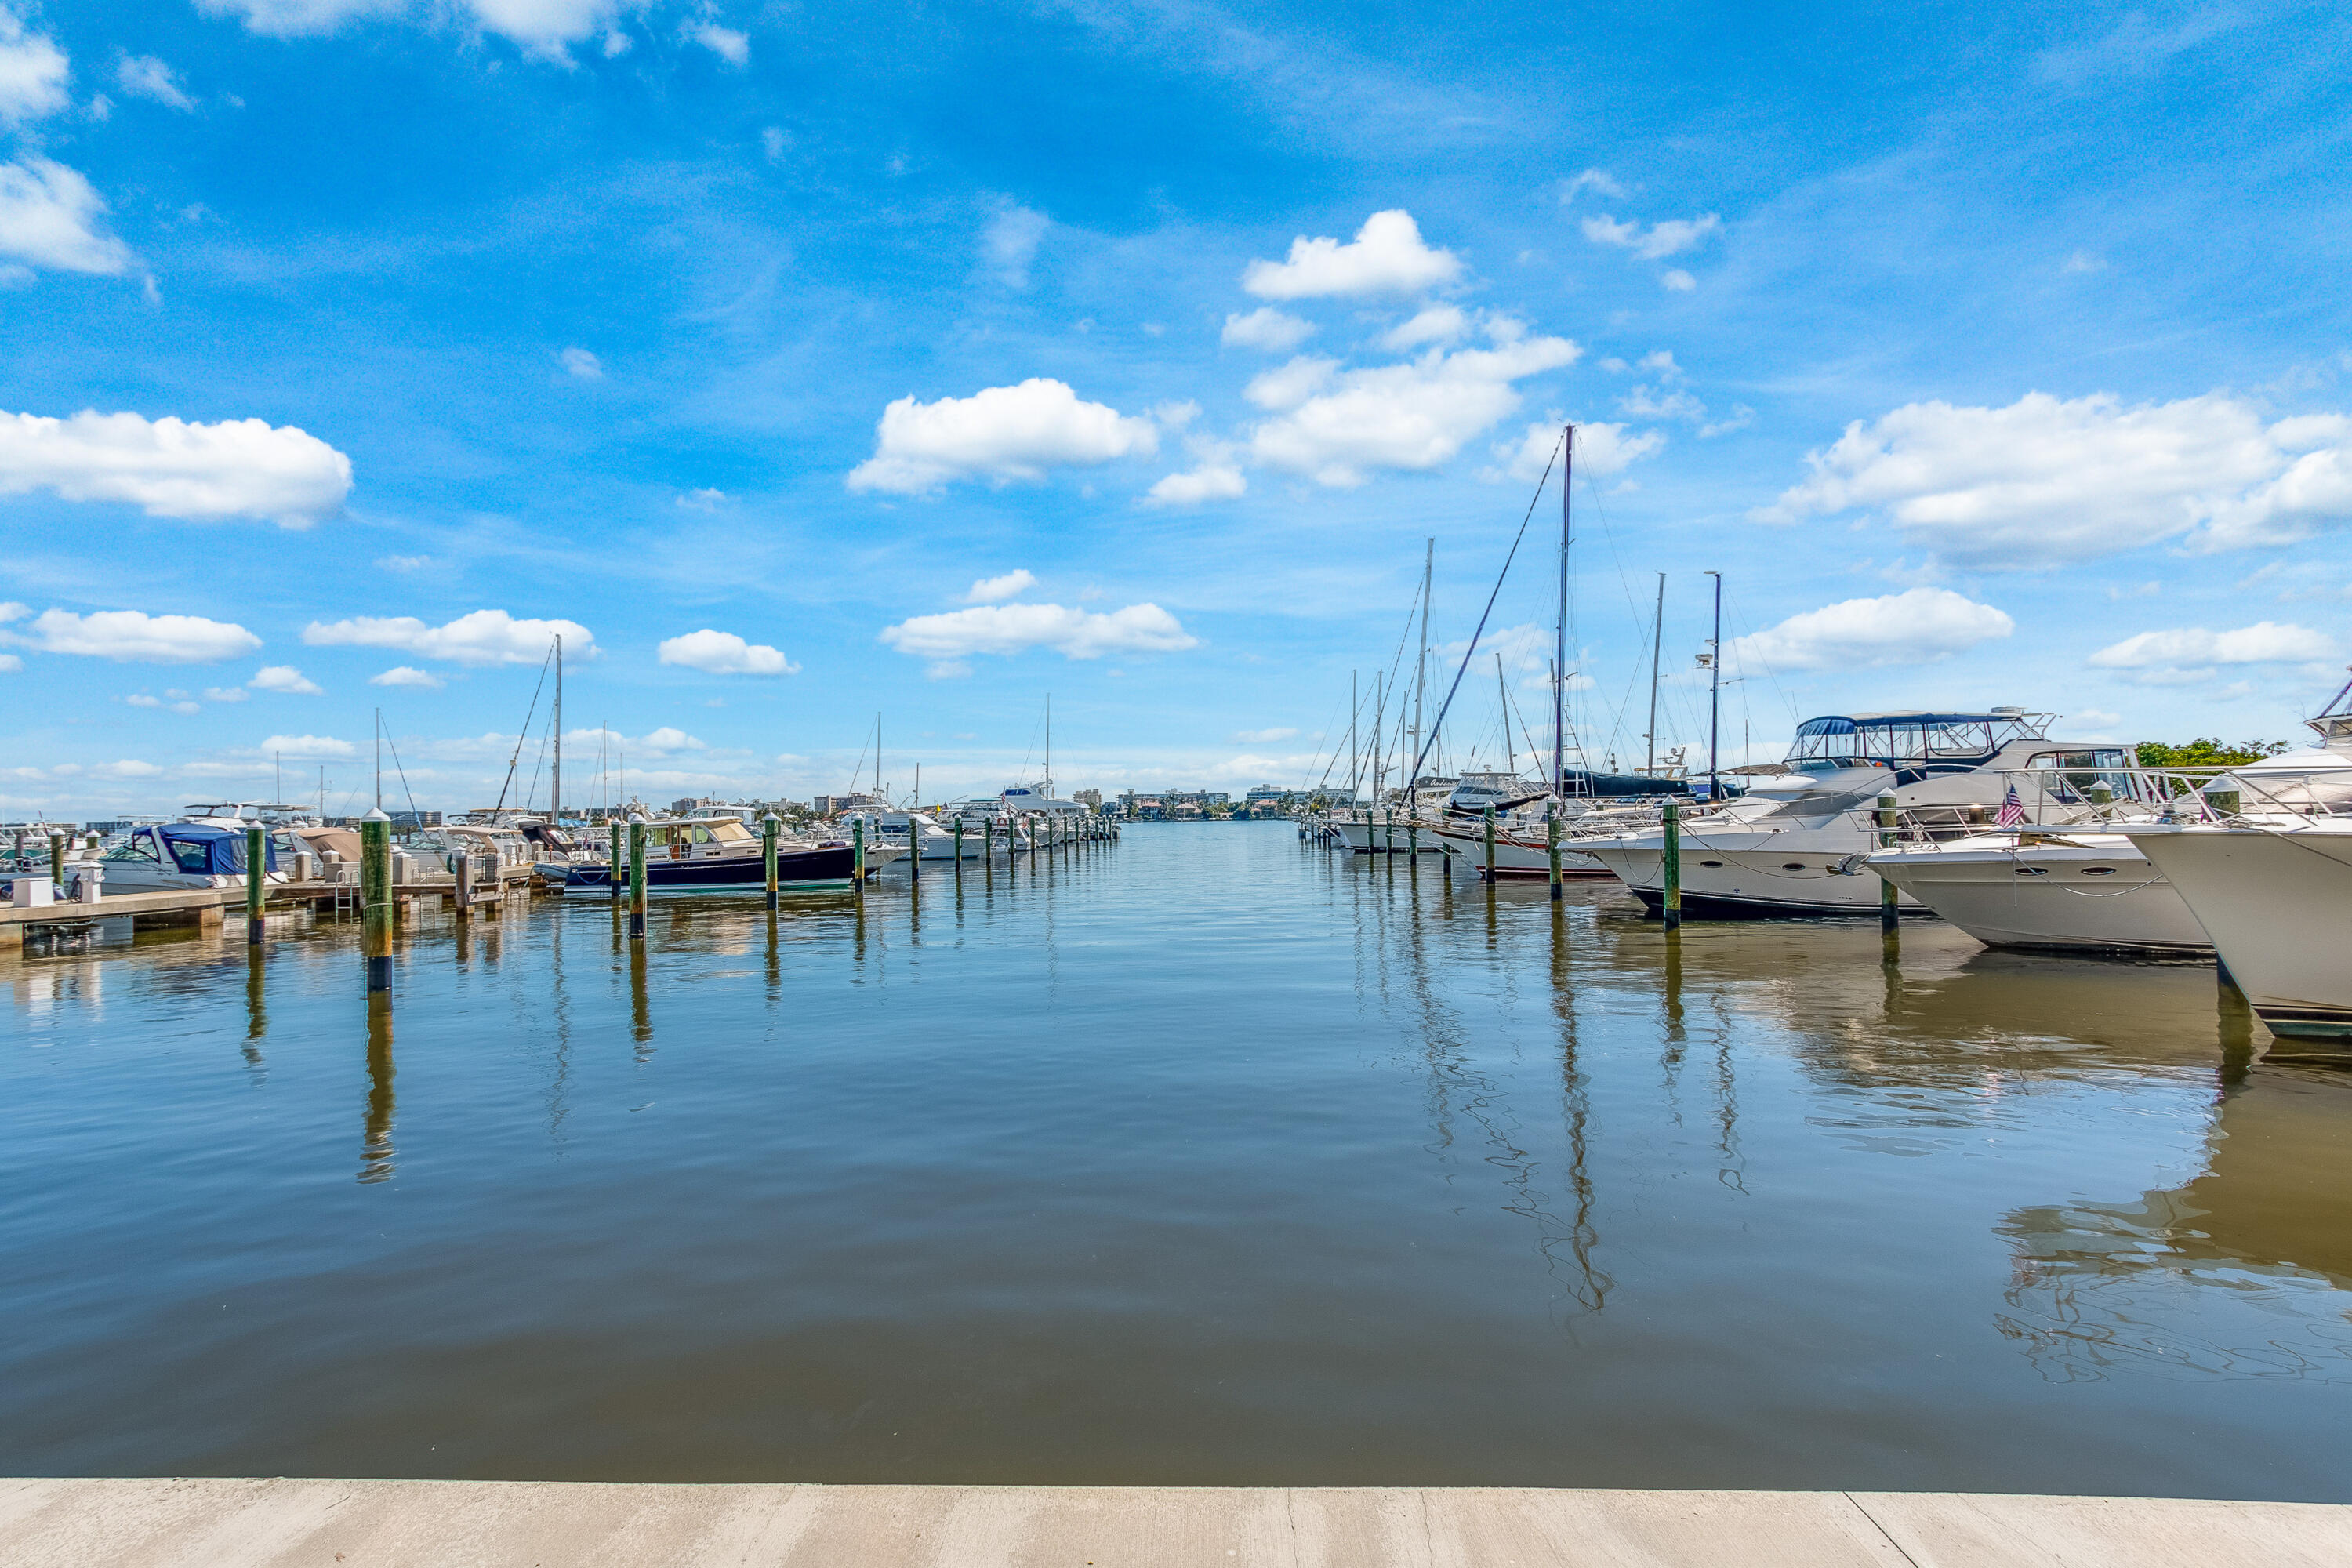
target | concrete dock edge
[{"x": 189, "y": 1524}]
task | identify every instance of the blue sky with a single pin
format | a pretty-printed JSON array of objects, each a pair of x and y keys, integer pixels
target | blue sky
[{"x": 1994, "y": 356}]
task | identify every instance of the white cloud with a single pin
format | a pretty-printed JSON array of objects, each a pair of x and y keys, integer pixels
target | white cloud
[
  {"x": 408, "y": 675},
  {"x": 403, "y": 563},
  {"x": 170, "y": 467},
  {"x": 724, "y": 653},
  {"x": 1333, "y": 427},
  {"x": 144, "y": 76},
  {"x": 1594, "y": 180},
  {"x": 1211, "y": 481},
  {"x": 2044, "y": 482},
  {"x": 1600, "y": 451},
  {"x": 2188, "y": 653},
  {"x": 1014, "y": 628},
  {"x": 143, "y": 700},
  {"x": 1914, "y": 627},
  {"x": 1675, "y": 280},
  {"x": 1001, "y": 434},
  {"x": 583, "y": 363},
  {"x": 1275, "y": 331},
  {"x": 1437, "y": 324},
  {"x": 996, "y": 590},
  {"x": 10, "y": 664},
  {"x": 2083, "y": 261},
  {"x": 704, "y": 499},
  {"x": 133, "y": 635},
  {"x": 1261, "y": 737},
  {"x": 226, "y": 694},
  {"x": 1387, "y": 256},
  {"x": 294, "y": 19},
  {"x": 543, "y": 28},
  {"x": 729, "y": 45},
  {"x": 284, "y": 678},
  {"x": 484, "y": 637},
  {"x": 32, "y": 72},
  {"x": 667, "y": 739},
  {"x": 48, "y": 218},
  {"x": 307, "y": 746},
  {"x": 1670, "y": 237},
  {"x": 1010, "y": 242},
  {"x": 772, "y": 141}
]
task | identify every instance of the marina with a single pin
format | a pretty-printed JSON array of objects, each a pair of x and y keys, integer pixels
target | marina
[{"x": 1202, "y": 1157}]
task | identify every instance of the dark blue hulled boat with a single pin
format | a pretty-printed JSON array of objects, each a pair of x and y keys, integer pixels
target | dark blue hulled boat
[{"x": 721, "y": 855}]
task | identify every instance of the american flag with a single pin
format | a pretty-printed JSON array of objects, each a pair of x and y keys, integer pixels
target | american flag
[{"x": 2012, "y": 810}]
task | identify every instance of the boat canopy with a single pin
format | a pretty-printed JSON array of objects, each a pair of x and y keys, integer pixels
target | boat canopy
[
  {"x": 1912, "y": 745},
  {"x": 210, "y": 851}
]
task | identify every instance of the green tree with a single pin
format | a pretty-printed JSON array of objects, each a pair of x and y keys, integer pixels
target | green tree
[{"x": 2206, "y": 753}]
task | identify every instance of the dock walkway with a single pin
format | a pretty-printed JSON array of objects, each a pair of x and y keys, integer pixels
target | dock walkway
[{"x": 379, "y": 1524}]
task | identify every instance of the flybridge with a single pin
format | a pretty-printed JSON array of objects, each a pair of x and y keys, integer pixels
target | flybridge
[{"x": 1914, "y": 743}]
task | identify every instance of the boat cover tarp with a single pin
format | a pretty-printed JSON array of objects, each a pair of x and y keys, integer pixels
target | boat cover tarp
[{"x": 211, "y": 851}]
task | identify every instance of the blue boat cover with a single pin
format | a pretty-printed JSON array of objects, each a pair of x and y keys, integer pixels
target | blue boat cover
[{"x": 211, "y": 851}]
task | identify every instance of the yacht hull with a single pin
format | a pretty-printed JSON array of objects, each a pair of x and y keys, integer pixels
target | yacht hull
[
  {"x": 2099, "y": 896},
  {"x": 1519, "y": 858},
  {"x": 797, "y": 870},
  {"x": 1792, "y": 875},
  {"x": 2276, "y": 903}
]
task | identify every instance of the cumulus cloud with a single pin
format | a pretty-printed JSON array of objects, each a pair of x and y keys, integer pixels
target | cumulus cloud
[
  {"x": 1333, "y": 426},
  {"x": 1213, "y": 481},
  {"x": 1660, "y": 240},
  {"x": 32, "y": 72},
  {"x": 286, "y": 678},
  {"x": 170, "y": 467},
  {"x": 1674, "y": 280},
  {"x": 226, "y": 694},
  {"x": 1275, "y": 331},
  {"x": 408, "y": 675},
  {"x": 581, "y": 363},
  {"x": 2044, "y": 481},
  {"x": 1437, "y": 324},
  {"x": 144, "y": 76},
  {"x": 724, "y": 653},
  {"x": 996, "y": 590},
  {"x": 50, "y": 218},
  {"x": 1594, "y": 180},
  {"x": 484, "y": 637},
  {"x": 10, "y": 664},
  {"x": 1387, "y": 256},
  {"x": 1262, "y": 737},
  {"x": 307, "y": 746},
  {"x": 134, "y": 636},
  {"x": 2188, "y": 653},
  {"x": 1001, "y": 434},
  {"x": 1600, "y": 451},
  {"x": 955, "y": 635},
  {"x": 1914, "y": 627}
]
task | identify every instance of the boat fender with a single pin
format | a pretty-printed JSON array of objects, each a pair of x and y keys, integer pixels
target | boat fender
[{"x": 1850, "y": 866}]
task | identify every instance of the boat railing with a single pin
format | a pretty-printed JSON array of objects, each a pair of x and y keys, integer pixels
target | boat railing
[{"x": 2057, "y": 801}]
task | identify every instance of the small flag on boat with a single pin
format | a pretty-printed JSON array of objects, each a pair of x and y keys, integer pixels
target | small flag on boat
[{"x": 2012, "y": 810}]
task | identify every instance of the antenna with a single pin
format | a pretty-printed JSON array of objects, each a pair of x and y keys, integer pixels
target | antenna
[
  {"x": 1559, "y": 632},
  {"x": 1715, "y": 690}
]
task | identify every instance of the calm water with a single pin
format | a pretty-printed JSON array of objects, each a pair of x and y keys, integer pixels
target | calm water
[{"x": 1206, "y": 1158}]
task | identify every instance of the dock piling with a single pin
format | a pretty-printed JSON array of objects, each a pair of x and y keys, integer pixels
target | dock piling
[
  {"x": 636, "y": 882},
  {"x": 857, "y": 852},
  {"x": 619, "y": 876},
  {"x": 58, "y": 863},
  {"x": 1551, "y": 837},
  {"x": 1490, "y": 844},
  {"x": 1886, "y": 911},
  {"x": 256, "y": 861},
  {"x": 767, "y": 826},
  {"x": 375, "y": 902},
  {"x": 1670, "y": 904}
]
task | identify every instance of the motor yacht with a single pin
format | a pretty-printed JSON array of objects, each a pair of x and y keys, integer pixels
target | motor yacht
[
  {"x": 1795, "y": 843},
  {"x": 722, "y": 855},
  {"x": 174, "y": 856}
]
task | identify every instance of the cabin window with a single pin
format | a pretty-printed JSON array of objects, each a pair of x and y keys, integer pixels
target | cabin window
[
  {"x": 2098, "y": 870},
  {"x": 2034, "y": 871},
  {"x": 142, "y": 849},
  {"x": 190, "y": 857},
  {"x": 1717, "y": 863},
  {"x": 1792, "y": 865}
]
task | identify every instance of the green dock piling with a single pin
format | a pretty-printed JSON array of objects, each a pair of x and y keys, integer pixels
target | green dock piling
[
  {"x": 1886, "y": 818},
  {"x": 1490, "y": 845},
  {"x": 1672, "y": 906},
  {"x": 636, "y": 882},
  {"x": 375, "y": 902},
  {"x": 256, "y": 859},
  {"x": 1551, "y": 837},
  {"x": 767, "y": 826}
]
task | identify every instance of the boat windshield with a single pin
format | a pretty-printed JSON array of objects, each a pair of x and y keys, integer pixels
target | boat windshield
[{"x": 1911, "y": 745}]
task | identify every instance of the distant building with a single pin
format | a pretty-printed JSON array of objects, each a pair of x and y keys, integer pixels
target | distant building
[{"x": 1089, "y": 798}]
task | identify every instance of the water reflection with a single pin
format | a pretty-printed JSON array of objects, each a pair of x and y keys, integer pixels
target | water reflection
[
  {"x": 256, "y": 1013},
  {"x": 375, "y": 1143},
  {"x": 2262, "y": 1237}
]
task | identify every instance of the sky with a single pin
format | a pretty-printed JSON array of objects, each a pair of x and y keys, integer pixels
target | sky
[{"x": 811, "y": 368}]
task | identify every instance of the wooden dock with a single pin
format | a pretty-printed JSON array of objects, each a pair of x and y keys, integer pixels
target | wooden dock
[
  {"x": 380, "y": 1524},
  {"x": 207, "y": 907}
]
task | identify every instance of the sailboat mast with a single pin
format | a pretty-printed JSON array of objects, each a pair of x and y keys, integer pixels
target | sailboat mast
[
  {"x": 1715, "y": 688},
  {"x": 1049, "y": 745},
  {"x": 555, "y": 787},
  {"x": 1559, "y": 630},
  {"x": 1657, "y": 635},
  {"x": 379, "y": 759},
  {"x": 1420, "y": 659},
  {"x": 1503, "y": 706},
  {"x": 1355, "y": 754}
]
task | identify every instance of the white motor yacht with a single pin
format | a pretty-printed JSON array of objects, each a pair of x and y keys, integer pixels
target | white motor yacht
[
  {"x": 1793, "y": 845},
  {"x": 174, "y": 856}
]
